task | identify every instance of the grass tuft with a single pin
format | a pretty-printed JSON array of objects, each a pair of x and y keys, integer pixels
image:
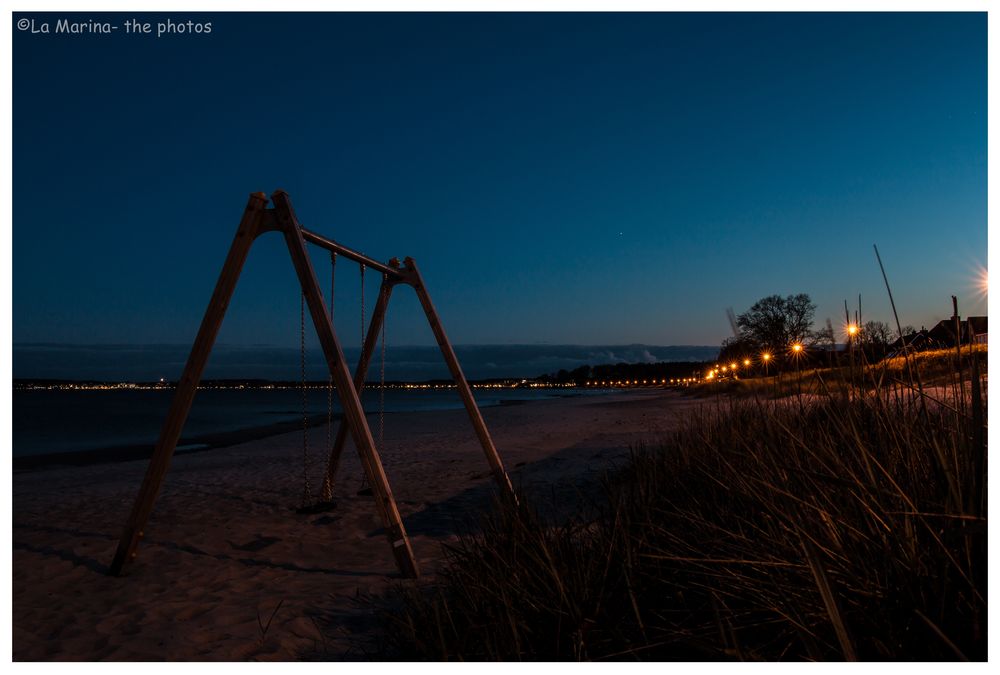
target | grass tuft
[{"x": 844, "y": 525}]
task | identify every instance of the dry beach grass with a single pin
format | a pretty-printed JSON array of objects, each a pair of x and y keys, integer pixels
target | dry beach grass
[{"x": 827, "y": 526}]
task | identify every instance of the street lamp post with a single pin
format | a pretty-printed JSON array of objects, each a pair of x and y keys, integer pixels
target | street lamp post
[
  {"x": 796, "y": 353},
  {"x": 765, "y": 359},
  {"x": 852, "y": 331}
]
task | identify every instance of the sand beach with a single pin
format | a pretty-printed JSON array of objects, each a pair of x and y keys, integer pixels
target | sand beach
[{"x": 228, "y": 570}]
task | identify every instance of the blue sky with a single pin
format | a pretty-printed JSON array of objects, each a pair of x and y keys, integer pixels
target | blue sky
[{"x": 561, "y": 178}]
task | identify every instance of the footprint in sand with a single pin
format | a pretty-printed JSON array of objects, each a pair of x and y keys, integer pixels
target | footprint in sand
[
  {"x": 191, "y": 613},
  {"x": 326, "y": 520},
  {"x": 255, "y": 545}
]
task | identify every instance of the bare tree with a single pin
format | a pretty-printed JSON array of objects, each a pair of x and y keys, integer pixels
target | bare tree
[
  {"x": 825, "y": 337},
  {"x": 775, "y": 322},
  {"x": 876, "y": 335},
  {"x": 738, "y": 348}
]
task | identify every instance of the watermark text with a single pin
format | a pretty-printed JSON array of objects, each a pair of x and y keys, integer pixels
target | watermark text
[{"x": 132, "y": 26}]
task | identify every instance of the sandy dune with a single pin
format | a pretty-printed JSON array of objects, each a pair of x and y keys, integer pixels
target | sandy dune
[{"x": 224, "y": 547}]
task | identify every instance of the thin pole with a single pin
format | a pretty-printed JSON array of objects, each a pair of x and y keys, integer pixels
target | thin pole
[
  {"x": 958, "y": 353},
  {"x": 187, "y": 386},
  {"x": 354, "y": 415},
  {"x": 492, "y": 456},
  {"x": 850, "y": 347}
]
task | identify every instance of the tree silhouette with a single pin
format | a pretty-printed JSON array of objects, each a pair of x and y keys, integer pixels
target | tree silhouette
[
  {"x": 875, "y": 337},
  {"x": 775, "y": 323}
]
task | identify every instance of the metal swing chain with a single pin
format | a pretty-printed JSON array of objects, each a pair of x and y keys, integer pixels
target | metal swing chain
[
  {"x": 306, "y": 492},
  {"x": 381, "y": 391},
  {"x": 364, "y": 475},
  {"x": 329, "y": 377}
]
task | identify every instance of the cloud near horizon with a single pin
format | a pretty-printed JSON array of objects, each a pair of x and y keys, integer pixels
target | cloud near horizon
[{"x": 151, "y": 362}]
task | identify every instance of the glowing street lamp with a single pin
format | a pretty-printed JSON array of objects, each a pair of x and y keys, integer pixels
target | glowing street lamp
[
  {"x": 797, "y": 351},
  {"x": 765, "y": 357}
]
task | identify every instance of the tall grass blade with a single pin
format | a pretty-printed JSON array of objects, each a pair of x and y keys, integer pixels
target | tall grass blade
[{"x": 829, "y": 600}]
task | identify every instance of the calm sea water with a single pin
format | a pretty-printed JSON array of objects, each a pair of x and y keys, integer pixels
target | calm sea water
[{"x": 49, "y": 421}]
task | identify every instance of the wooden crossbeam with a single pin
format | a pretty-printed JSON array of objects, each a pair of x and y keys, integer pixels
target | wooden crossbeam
[{"x": 256, "y": 220}]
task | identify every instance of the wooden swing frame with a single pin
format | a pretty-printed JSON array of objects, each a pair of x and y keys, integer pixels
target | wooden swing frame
[{"x": 258, "y": 219}]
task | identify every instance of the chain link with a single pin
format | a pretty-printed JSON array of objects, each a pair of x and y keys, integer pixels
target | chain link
[
  {"x": 364, "y": 476},
  {"x": 326, "y": 491},
  {"x": 381, "y": 391},
  {"x": 329, "y": 377},
  {"x": 306, "y": 492}
]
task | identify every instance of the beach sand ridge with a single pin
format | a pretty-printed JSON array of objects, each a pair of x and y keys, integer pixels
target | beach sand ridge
[{"x": 228, "y": 571}]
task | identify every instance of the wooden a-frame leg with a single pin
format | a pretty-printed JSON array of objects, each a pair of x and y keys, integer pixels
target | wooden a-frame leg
[
  {"x": 492, "y": 456},
  {"x": 188, "y": 384},
  {"x": 354, "y": 415},
  {"x": 360, "y": 372}
]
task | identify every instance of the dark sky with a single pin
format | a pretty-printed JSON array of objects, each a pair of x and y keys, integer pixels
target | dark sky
[{"x": 561, "y": 178}]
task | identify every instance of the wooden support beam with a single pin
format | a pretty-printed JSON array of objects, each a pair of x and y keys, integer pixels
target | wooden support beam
[
  {"x": 354, "y": 415},
  {"x": 350, "y": 254},
  {"x": 492, "y": 456},
  {"x": 256, "y": 220},
  {"x": 360, "y": 372},
  {"x": 188, "y": 384}
]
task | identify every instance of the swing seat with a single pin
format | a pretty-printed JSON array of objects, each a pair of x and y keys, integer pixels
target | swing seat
[{"x": 317, "y": 507}]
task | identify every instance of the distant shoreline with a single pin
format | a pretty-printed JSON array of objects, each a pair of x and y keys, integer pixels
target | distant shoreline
[
  {"x": 187, "y": 445},
  {"x": 151, "y": 362},
  {"x": 127, "y": 453}
]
